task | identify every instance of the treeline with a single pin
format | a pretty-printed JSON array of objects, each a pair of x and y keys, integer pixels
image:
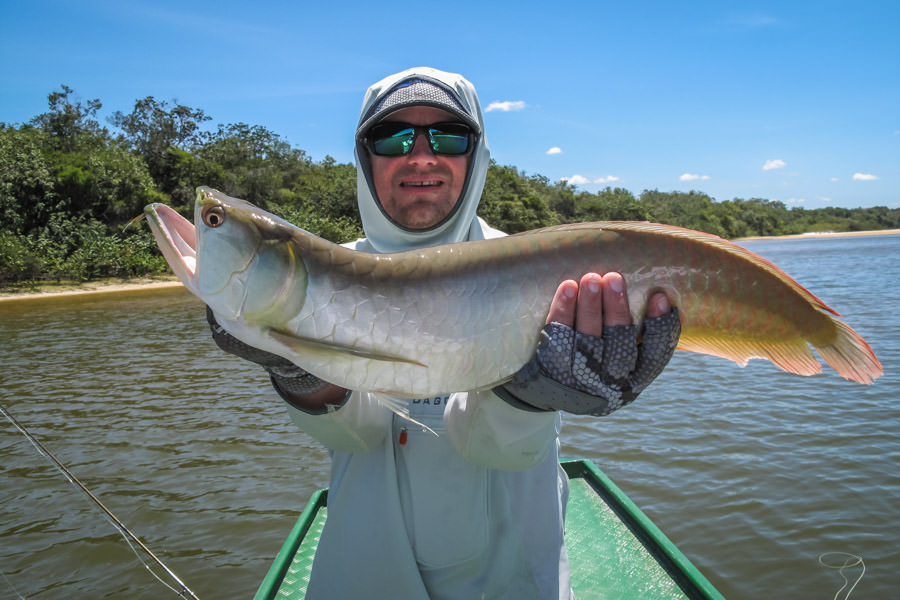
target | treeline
[{"x": 69, "y": 188}]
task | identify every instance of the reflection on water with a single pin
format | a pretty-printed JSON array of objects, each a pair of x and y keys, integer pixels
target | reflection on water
[{"x": 752, "y": 472}]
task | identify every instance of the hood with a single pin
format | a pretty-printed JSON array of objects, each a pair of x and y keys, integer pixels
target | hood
[{"x": 382, "y": 234}]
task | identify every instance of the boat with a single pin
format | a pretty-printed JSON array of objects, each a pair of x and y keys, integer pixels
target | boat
[{"x": 615, "y": 550}]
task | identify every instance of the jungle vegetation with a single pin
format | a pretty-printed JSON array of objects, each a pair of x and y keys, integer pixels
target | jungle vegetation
[{"x": 69, "y": 186}]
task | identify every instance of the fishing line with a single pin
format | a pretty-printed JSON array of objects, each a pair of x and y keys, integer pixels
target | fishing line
[
  {"x": 11, "y": 586},
  {"x": 850, "y": 560},
  {"x": 129, "y": 537}
]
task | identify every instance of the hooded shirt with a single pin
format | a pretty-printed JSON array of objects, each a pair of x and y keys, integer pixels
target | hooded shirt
[
  {"x": 472, "y": 506},
  {"x": 459, "y": 98}
]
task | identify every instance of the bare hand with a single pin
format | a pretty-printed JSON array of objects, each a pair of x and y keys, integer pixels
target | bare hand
[{"x": 597, "y": 301}]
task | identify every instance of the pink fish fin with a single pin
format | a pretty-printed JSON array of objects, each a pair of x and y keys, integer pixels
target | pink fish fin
[{"x": 850, "y": 355}]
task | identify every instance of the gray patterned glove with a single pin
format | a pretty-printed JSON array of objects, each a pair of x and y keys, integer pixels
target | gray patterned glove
[
  {"x": 287, "y": 377},
  {"x": 589, "y": 375}
]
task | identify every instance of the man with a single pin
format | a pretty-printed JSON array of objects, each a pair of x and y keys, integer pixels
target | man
[{"x": 471, "y": 506}]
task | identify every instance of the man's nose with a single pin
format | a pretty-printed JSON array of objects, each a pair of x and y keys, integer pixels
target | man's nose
[{"x": 421, "y": 150}]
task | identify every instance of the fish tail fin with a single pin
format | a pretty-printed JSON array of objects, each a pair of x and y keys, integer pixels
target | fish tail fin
[
  {"x": 400, "y": 407},
  {"x": 850, "y": 355}
]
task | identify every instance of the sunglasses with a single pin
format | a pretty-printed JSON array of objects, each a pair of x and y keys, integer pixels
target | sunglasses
[{"x": 397, "y": 139}]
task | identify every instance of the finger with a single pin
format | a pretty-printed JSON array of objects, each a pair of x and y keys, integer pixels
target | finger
[
  {"x": 589, "y": 309},
  {"x": 660, "y": 339},
  {"x": 615, "y": 301},
  {"x": 562, "y": 308},
  {"x": 658, "y": 305}
]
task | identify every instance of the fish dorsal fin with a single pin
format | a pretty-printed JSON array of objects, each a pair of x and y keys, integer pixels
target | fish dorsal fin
[{"x": 700, "y": 237}]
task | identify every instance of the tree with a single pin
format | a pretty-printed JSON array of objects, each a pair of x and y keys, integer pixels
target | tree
[
  {"x": 512, "y": 203},
  {"x": 328, "y": 188},
  {"x": 69, "y": 123},
  {"x": 109, "y": 183},
  {"x": 158, "y": 133},
  {"x": 27, "y": 181},
  {"x": 609, "y": 205},
  {"x": 258, "y": 164}
]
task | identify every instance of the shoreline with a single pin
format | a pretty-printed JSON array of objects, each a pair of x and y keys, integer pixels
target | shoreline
[
  {"x": 170, "y": 281},
  {"x": 820, "y": 235},
  {"x": 103, "y": 286}
]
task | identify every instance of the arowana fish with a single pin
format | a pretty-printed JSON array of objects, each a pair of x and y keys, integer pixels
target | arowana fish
[{"x": 467, "y": 316}]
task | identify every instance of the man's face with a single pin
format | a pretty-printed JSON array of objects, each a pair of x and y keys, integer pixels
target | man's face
[{"x": 418, "y": 190}]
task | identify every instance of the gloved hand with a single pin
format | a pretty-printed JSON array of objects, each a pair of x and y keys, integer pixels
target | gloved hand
[
  {"x": 287, "y": 377},
  {"x": 585, "y": 374}
]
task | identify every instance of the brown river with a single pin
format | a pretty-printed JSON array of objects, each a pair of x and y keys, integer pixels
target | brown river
[{"x": 753, "y": 473}]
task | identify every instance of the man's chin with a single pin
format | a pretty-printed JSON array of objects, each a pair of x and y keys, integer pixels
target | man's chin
[
  {"x": 419, "y": 223},
  {"x": 421, "y": 216}
]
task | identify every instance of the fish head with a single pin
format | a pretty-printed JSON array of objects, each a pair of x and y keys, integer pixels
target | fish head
[{"x": 236, "y": 257}]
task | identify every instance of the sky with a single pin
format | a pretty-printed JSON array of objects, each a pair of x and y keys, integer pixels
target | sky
[{"x": 797, "y": 102}]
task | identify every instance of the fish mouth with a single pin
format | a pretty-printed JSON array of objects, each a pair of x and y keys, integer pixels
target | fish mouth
[{"x": 177, "y": 240}]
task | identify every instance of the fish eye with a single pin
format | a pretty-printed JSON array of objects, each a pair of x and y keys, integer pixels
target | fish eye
[{"x": 213, "y": 216}]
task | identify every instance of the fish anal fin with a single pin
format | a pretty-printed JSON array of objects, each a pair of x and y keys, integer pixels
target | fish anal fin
[
  {"x": 793, "y": 356},
  {"x": 845, "y": 351}
]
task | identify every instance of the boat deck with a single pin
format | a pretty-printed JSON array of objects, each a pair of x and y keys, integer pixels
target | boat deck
[{"x": 615, "y": 551}]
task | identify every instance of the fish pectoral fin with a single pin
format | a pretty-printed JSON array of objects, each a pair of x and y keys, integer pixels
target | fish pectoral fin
[
  {"x": 400, "y": 407},
  {"x": 301, "y": 345}
]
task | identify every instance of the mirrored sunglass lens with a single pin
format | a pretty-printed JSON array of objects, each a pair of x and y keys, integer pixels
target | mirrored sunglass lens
[
  {"x": 393, "y": 143},
  {"x": 448, "y": 143},
  {"x": 449, "y": 138}
]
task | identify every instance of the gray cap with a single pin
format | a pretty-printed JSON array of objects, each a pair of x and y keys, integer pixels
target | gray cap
[{"x": 415, "y": 92}]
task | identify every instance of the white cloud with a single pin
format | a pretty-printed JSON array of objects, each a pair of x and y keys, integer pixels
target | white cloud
[
  {"x": 506, "y": 106},
  {"x": 555, "y": 150},
  {"x": 795, "y": 200},
  {"x": 864, "y": 177},
  {"x": 835, "y": 179},
  {"x": 581, "y": 179},
  {"x": 776, "y": 163},
  {"x": 692, "y": 177}
]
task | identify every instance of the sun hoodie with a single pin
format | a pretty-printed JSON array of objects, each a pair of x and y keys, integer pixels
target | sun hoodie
[{"x": 470, "y": 506}]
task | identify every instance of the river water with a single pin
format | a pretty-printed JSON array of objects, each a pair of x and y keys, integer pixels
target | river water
[{"x": 752, "y": 472}]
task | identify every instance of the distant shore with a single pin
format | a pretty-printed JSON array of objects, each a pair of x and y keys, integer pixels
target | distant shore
[
  {"x": 124, "y": 285},
  {"x": 823, "y": 234}
]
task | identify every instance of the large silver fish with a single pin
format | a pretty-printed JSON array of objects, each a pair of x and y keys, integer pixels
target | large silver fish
[{"x": 467, "y": 316}]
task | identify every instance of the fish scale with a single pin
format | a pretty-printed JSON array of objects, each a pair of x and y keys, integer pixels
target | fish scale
[{"x": 467, "y": 316}]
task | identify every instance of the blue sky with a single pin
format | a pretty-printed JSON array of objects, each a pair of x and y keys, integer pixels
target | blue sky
[{"x": 791, "y": 101}]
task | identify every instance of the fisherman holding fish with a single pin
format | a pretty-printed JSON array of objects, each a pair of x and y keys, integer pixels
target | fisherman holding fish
[{"x": 466, "y": 498}]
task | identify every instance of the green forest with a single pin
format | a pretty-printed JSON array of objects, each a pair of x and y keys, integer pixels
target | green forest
[{"x": 69, "y": 186}]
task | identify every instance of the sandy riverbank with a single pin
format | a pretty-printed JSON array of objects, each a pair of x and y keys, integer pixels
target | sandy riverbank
[
  {"x": 105, "y": 286},
  {"x": 823, "y": 235},
  {"x": 108, "y": 286}
]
